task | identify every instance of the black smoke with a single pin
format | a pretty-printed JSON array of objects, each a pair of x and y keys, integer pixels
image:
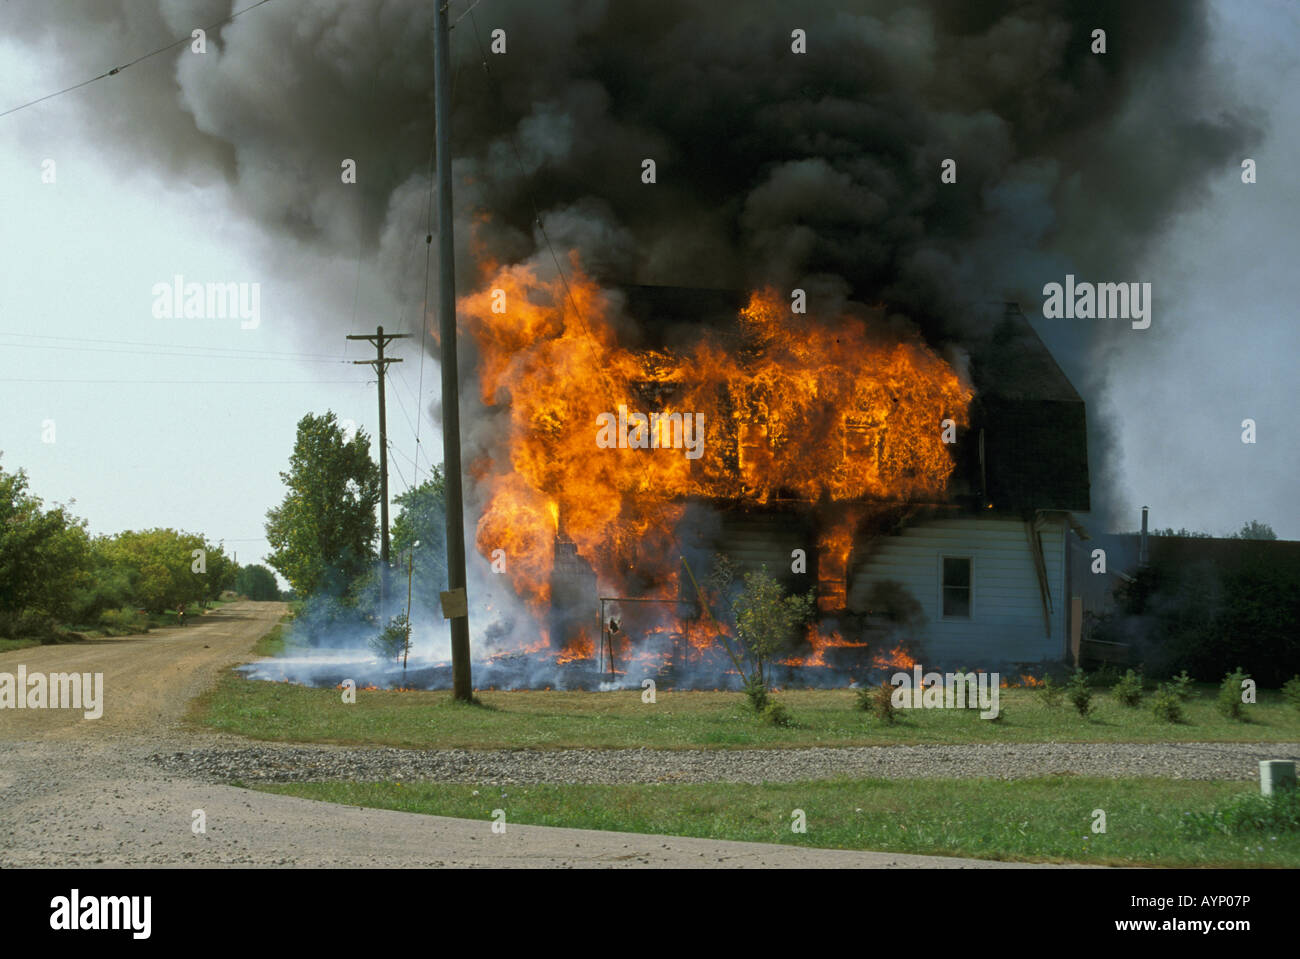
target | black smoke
[{"x": 818, "y": 170}]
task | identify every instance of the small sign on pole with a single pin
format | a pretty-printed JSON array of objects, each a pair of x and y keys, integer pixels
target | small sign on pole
[{"x": 455, "y": 603}]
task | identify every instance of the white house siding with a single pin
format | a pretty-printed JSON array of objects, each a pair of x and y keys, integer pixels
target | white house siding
[{"x": 1006, "y": 623}]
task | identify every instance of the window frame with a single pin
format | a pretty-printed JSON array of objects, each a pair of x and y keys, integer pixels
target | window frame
[{"x": 970, "y": 589}]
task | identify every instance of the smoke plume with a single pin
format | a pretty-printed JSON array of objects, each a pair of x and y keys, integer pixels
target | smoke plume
[{"x": 818, "y": 169}]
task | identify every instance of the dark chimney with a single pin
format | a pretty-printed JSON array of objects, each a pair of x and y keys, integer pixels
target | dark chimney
[{"x": 1142, "y": 543}]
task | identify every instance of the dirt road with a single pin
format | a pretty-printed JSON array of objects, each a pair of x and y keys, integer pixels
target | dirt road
[
  {"x": 148, "y": 679},
  {"x": 78, "y": 792}
]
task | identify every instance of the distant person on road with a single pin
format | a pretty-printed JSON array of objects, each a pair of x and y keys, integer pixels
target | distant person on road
[{"x": 180, "y": 614}]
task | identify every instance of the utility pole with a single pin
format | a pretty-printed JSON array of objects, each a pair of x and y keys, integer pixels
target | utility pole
[
  {"x": 380, "y": 339},
  {"x": 455, "y": 601}
]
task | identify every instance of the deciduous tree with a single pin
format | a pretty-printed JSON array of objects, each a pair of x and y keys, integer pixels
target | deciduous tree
[{"x": 323, "y": 533}]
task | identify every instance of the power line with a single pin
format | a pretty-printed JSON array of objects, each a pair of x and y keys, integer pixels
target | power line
[
  {"x": 464, "y": 15},
  {"x": 4, "y": 380},
  {"x": 402, "y": 404},
  {"x": 100, "y": 349},
  {"x": 428, "y": 250},
  {"x": 403, "y": 452},
  {"x": 116, "y": 70},
  {"x": 419, "y": 419},
  {"x": 400, "y": 474},
  {"x": 415, "y": 398},
  {"x": 178, "y": 346}
]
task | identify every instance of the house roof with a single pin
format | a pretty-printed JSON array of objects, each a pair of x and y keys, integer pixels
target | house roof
[
  {"x": 1014, "y": 363},
  {"x": 1034, "y": 423}
]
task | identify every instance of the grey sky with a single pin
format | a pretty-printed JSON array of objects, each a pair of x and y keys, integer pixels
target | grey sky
[{"x": 79, "y": 258}]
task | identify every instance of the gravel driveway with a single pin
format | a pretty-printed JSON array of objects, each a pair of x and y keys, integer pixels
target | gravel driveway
[{"x": 272, "y": 762}]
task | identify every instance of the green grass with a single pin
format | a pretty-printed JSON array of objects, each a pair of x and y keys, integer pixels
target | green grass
[
  {"x": 10, "y": 645},
  {"x": 1036, "y": 820},
  {"x": 687, "y": 720},
  {"x": 274, "y": 643}
]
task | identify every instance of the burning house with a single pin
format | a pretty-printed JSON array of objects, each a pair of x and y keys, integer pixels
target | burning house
[
  {"x": 990, "y": 571},
  {"x": 929, "y": 507}
]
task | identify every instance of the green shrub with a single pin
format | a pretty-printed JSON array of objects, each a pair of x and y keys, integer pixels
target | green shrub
[
  {"x": 1249, "y": 813},
  {"x": 878, "y": 701},
  {"x": 1167, "y": 704},
  {"x": 756, "y": 692},
  {"x": 1107, "y": 674},
  {"x": 395, "y": 641},
  {"x": 1051, "y": 692},
  {"x": 123, "y": 622},
  {"x": 1080, "y": 693},
  {"x": 776, "y": 714},
  {"x": 1128, "y": 690},
  {"x": 1181, "y": 686},
  {"x": 863, "y": 696},
  {"x": 1229, "y": 701},
  {"x": 28, "y": 624},
  {"x": 1291, "y": 691}
]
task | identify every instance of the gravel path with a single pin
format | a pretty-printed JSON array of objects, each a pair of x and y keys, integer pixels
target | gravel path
[{"x": 271, "y": 762}]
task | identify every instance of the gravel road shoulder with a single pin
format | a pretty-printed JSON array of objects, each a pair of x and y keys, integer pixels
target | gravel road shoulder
[{"x": 123, "y": 790}]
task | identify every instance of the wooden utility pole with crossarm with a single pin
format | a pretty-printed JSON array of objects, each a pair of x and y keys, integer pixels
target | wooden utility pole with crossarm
[{"x": 380, "y": 339}]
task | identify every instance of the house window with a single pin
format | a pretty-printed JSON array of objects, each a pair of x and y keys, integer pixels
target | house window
[{"x": 956, "y": 587}]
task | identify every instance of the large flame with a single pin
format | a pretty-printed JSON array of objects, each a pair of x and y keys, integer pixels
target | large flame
[{"x": 833, "y": 411}]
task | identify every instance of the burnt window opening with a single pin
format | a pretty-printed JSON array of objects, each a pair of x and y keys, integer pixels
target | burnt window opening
[{"x": 956, "y": 587}]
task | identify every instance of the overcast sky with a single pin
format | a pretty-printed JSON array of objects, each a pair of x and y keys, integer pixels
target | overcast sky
[
  {"x": 1226, "y": 337},
  {"x": 187, "y": 422}
]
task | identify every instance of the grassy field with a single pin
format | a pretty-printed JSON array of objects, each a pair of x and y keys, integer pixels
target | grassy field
[
  {"x": 9, "y": 645},
  {"x": 1038, "y": 820},
  {"x": 275, "y": 642},
  {"x": 687, "y": 720}
]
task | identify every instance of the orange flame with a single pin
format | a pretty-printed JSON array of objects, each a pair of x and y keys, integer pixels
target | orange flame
[
  {"x": 895, "y": 659},
  {"x": 839, "y": 410}
]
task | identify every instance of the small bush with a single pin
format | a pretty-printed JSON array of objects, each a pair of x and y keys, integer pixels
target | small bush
[
  {"x": 756, "y": 692},
  {"x": 1107, "y": 674},
  {"x": 28, "y": 624},
  {"x": 1291, "y": 691},
  {"x": 1128, "y": 690},
  {"x": 1167, "y": 704},
  {"x": 776, "y": 714},
  {"x": 1229, "y": 701},
  {"x": 1181, "y": 686},
  {"x": 123, "y": 622},
  {"x": 394, "y": 642},
  {"x": 1051, "y": 692},
  {"x": 1080, "y": 693},
  {"x": 1250, "y": 813},
  {"x": 878, "y": 701}
]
